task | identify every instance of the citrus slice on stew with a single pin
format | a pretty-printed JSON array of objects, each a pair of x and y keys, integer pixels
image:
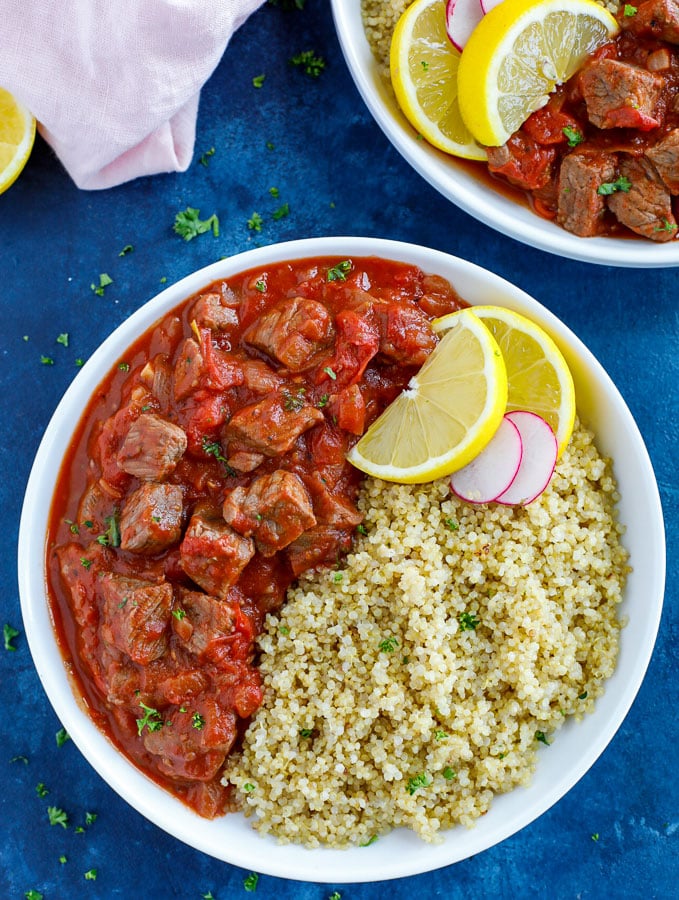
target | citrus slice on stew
[
  {"x": 447, "y": 414},
  {"x": 538, "y": 376},
  {"x": 17, "y": 134},
  {"x": 517, "y": 55},
  {"x": 423, "y": 66}
]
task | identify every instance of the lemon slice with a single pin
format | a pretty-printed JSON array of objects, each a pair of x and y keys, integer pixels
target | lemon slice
[
  {"x": 538, "y": 376},
  {"x": 17, "y": 134},
  {"x": 446, "y": 415},
  {"x": 424, "y": 76},
  {"x": 516, "y": 56}
]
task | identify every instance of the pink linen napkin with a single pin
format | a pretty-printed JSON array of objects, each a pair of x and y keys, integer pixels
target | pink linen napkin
[{"x": 115, "y": 85}]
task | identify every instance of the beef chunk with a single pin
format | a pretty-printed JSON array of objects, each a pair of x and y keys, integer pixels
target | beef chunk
[
  {"x": 212, "y": 554},
  {"x": 245, "y": 460},
  {"x": 258, "y": 377},
  {"x": 522, "y": 161},
  {"x": 215, "y": 311},
  {"x": 292, "y": 332},
  {"x": 151, "y": 519},
  {"x": 328, "y": 508},
  {"x": 157, "y": 376},
  {"x": 188, "y": 752},
  {"x": 152, "y": 448},
  {"x": 275, "y": 509},
  {"x": 580, "y": 207},
  {"x": 655, "y": 18},
  {"x": 136, "y": 614},
  {"x": 620, "y": 95},
  {"x": 188, "y": 369},
  {"x": 647, "y": 207},
  {"x": 665, "y": 157},
  {"x": 271, "y": 426},
  {"x": 405, "y": 333},
  {"x": 207, "y": 623},
  {"x": 318, "y": 546}
]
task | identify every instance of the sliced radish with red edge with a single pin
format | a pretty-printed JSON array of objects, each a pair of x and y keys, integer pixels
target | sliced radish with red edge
[
  {"x": 462, "y": 17},
  {"x": 487, "y": 5},
  {"x": 537, "y": 462},
  {"x": 491, "y": 472}
]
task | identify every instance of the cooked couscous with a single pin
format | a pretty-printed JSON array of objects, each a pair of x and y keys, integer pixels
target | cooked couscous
[{"x": 410, "y": 686}]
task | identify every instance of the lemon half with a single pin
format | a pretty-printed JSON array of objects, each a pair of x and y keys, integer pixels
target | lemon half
[
  {"x": 446, "y": 415},
  {"x": 424, "y": 67},
  {"x": 17, "y": 134},
  {"x": 516, "y": 56}
]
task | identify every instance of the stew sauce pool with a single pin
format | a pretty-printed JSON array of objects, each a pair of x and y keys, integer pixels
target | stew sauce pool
[{"x": 206, "y": 474}]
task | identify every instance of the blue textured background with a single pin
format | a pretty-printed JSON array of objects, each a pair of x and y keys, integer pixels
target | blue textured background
[{"x": 340, "y": 176}]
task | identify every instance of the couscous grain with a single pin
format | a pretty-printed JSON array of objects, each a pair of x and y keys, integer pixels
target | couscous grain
[{"x": 422, "y": 683}]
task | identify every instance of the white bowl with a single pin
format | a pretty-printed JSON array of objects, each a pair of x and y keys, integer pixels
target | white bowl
[
  {"x": 400, "y": 853},
  {"x": 456, "y": 182}
]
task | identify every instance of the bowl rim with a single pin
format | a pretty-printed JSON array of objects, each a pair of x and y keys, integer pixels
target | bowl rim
[
  {"x": 491, "y": 208},
  {"x": 231, "y": 839}
]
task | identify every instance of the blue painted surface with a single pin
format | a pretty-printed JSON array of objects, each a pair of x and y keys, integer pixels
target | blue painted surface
[{"x": 339, "y": 175}]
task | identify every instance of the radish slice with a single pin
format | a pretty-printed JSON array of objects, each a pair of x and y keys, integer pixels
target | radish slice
[
  {"x": 493, "y": 470},
  {"x": 462, "y": 17},
  {"x": 537, "y": 462},
  {"x": 487, "y": 5}
]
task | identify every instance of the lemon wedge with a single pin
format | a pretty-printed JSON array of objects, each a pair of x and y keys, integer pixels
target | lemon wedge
[
  {"x": 538, "y": 376},
  {"x": 446, "y": 415},
  {"x": 516, "y": 56},
  {"x": 424, "y": 66},
  {"x": 17, "y": 134}
]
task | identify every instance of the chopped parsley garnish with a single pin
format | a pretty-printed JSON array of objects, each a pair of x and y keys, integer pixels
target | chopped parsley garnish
[
  {"x": 440, "y": 735},
  {"x": 274, "y": 192},
  {"x": 418, "y": 781},
  {"x": 250, "y": 883},
  {"x": 90, "y": 818},
  {"x": 23, "y": 759},
  {"x": 258, "y": 80},
  {"x": 281, "y": 212},
  {"x": 449, "y": 774},
  {"x": 179, "y": 614},
  {"x": 33, "y": 895},
  {"x": 371, "y": 840},
  {"x": 208, "y": 896},
  {"x": 188, "y": 224},
  {"x": 198, "y": 721},
  {"x": 214, "y": 448},
  {"x": 323, "y": 401},
  {"x": 61, "y": 737},
  {"x": 128, "y": 248},
  {"x": 542, "y": 737},
  {"x": 388, "y": 645},
  {"x": 111, "y": 537},
  {"x": 467, "y": 621},
  {"x": 610, "y": 187},
  {"x": 47, "y": 360},
  {"x": 57, "y": 816},
  {"x": 330, "y": 373},
  {"x": 337, "y": 577},
  {"x": 629, "y": 10},
  {"x": 63, "y": 859},
  {"x": 284, "y": 630},
  {"x": 41, "y": 790},
  {"x": 91, "y": 875},
  {"x": 312, "y": 64},
  {"x": 63, "y": 339},
  {"x": 339, "y": 272},
  {"x": 261, "y": 285},
  {"x": 104, "y": 281},
  {"x": 335, "y": 896},
  {"x": 248, "y": 787},
  {"x": 205, "y": 158},
  {"x": 573, "y": 136},
  {"x": 451, "y": 524},
  {"x": 124, "y": 366},
  {"x": 666, "y": 225},
  {"x": 595, "y": 836},
  {"x": 306, "y": 732},
  {"x": 9, "y": 634},
  {"x": 85, "y": 563},
  {"x": 255, "y": 222},
  {"x": 361, "y": 528},
  {"x": 151, "y": 719},
  {"x": 294, "y": 402},
  {"x": 424, "y": 64}
]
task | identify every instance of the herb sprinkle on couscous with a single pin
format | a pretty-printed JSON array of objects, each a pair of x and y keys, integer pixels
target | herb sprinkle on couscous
[{"x": 423, "y": 682}]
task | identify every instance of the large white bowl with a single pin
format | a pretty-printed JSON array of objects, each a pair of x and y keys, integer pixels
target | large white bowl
[
  {"x": 577, "y": 745},
  {"x": 456, "y": 182}
]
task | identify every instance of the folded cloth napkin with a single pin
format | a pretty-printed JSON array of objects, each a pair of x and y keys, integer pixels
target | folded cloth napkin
[{"x": 115, "y": 86}]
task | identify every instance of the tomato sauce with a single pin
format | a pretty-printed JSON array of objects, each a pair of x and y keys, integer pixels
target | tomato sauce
[{"x": 207, "y": 472}]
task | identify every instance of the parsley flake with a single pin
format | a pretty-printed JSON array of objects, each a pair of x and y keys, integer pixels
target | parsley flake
[
  {"x": 198, "y": 721},
  {"x": 250, "y": 883},
  {"x": 9, "y": 634},
  {"x": 57, "y": 816},
  {"x": 255, "y": 222},
  {"x": 371, "y": 840},
  {"x": 610, "y": 187},
  {"x": 179, "y": 614},
  {"x": 258, "y": 80},
  {"x": 63, "y": 339},
  {"x": 248, "y": 787},
  {"x": 281, "y": 212},
  {"x": 104, "y": 281},
  {"x": 339, "y": 272},
  {"x": 188, "y": 224},
  {"x": 205, "y": 158},
  {"x": 128, "y": 248},
  {"x": 47, "y": 360},
  {"x": 449, "y": 774},
  {"x": 388, "y": 645},
  {"x": 41, "y": 790},
  {"x": 629, "y": 10},
  {"x": 573, "y": 136},
  {"x": 418, "y": 781},
  {"x": 61, "y": 737},
  {"x": 91, "y": 875},
  {"x": 451, "y": 524},
  {"x": 151, "y": 719},
  {"x": 330, "y": 373},
  {"x": 310, "y": 63},
  {"x": 33, "y": 895},
  {"x": 467, "y": 621},
  {"x": 542, "y": 737}
]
